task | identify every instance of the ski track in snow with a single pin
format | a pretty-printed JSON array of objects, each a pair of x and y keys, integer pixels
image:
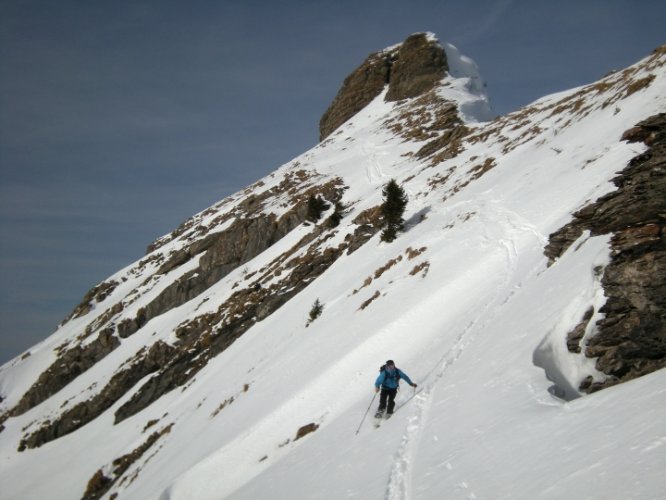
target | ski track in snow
[
  {"x": 399, "y": 483},
  {"x": 373, "y": 168},
  {"x": 508, "y": 227}
]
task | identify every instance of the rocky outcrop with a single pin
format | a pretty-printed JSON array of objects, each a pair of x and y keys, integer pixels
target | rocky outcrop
[
  {"x": 364, "y": 84},
  {"x": 630, "y": 340},
  {"x": 99, "y": 484},
  {"x": 69, "y": 365},
  {"x": 221, "y": 253},
  {"x": 225, "y": 251},
  {"x": 86, "y": 411},
  {"x": 97, "y": 294},
  {"x": 206, "y": 336},
  {"x": 420, "y": 64},
  {"x": 410, "y": 69}
]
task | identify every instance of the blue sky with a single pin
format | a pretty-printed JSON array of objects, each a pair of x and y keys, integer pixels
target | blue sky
[{"x": 119, "y": 120}]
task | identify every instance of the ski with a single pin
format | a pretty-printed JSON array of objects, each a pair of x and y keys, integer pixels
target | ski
[{"x": 379, "y": 416}]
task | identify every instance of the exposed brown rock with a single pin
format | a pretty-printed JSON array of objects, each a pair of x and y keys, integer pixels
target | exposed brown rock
[
  {"x": 248, "y": 236},
  {"x": 364, "y": 84},
  {"x": 369, "y": 223},
  {"x": 100, "y": 484},
  {"x": 305, "y": 430},
  {"x": 206, "y": 336},
  {"x": 76, "y": 417},
  {"x": 224, "y": 252},
  {"x": 419, "y": 66},
  {"x": 432, "y": 119},
  {"x": 631, "y": 338},
  {"x": 411, "y": 69},
  {"x": 97, "y": 294},
  {"x": 576, "y": 335},
  {"x": 97, "y": 486},
  {"x": 69, "y": 365}
]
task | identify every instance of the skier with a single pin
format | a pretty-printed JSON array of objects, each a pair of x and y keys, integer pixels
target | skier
[{"x": 388, "y": 380}]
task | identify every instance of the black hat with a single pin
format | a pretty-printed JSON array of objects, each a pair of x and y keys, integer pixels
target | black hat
[{"x": 390, "y": 362}]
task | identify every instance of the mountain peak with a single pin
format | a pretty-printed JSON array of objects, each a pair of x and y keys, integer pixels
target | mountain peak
[{"x": 409, "y": 69}]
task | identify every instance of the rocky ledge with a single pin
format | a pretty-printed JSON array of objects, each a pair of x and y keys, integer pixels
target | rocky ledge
[{"x": 630, "y": 340}]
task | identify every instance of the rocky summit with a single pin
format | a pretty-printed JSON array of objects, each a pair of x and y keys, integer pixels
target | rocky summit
[
  {"x": 523, "y": 293},
  {"x": 407, "y": 70}
]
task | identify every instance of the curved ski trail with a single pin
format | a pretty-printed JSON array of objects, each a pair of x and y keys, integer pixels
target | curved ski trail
[
  {"x": 510, "y": 227},
  {"x": 400, "y": 477},
  {"x": 373, "y": 169}
]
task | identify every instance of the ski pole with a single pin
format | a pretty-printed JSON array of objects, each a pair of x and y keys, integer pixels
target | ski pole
[{"x": 366, "y": 413}]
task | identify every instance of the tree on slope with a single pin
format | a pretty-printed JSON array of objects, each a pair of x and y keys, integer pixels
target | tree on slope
[
  {"x": 316, "y": 207},
  {"x": 393, "y": 208}
]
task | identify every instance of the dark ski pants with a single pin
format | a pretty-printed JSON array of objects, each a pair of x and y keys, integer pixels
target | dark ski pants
[{"x": 387, "y": 394}]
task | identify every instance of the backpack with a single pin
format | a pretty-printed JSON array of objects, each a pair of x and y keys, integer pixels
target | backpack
[{"x": 396, "y": 373}]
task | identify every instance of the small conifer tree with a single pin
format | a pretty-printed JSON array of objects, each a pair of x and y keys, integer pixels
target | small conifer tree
[
  {"x": 316, "y": 207},
  {"x": 393, "y": 208},
  {"x": 315, "y": 312}
]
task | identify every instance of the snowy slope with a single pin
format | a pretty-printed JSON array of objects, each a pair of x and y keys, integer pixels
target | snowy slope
[{"x": 463, "y": 301}]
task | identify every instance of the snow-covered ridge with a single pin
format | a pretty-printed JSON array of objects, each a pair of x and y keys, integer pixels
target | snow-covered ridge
[{"x": 462, "y": 300}]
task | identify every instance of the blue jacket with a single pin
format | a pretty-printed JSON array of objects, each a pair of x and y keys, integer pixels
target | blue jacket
[{"x": 391, "y": 382}]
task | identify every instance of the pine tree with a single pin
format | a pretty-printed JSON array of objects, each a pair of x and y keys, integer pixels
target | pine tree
[
  {"x": 315, "y": 312},
  {"x": 316, "y": 207},
  {"x": 393, "y": 208}
]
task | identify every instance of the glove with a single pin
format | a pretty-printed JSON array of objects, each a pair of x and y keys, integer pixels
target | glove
[
  {"x": 376, "y": 389},
  {"x": 414, "y": 386}
]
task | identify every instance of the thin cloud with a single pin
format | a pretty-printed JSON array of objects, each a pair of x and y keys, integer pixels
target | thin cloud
[{"x": 483, "y": 27}]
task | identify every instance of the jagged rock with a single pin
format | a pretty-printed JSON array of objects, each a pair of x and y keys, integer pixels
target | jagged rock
[
  {"x": 419, "y": 66},
  {"x": 99, "y": 484},
  {"x": 123, "y": 381},
  {"x": 369, "y": 223},
  {"x": 635, "y": 203},
  {"x": 66, "y": 368},
  {"x": 247, "y": 238},
  {"x": 411, "y": 69},
  {"x": 631, "y": 338},
  {"x": 224, "y": 252},
  {"x": 576, "y": 335},
  {"x": 364, "y": 84},
  {"x": 245, "y": 308},
  {"x": 97, "y": 294}
]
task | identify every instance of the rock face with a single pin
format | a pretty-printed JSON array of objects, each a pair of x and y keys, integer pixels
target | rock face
[
  {"x": 631, "y": 338},
  {"x": 66, "y": 368},
  {"x": 420, "y": 64},
  {"x": 409, "y": 70},
  {"x": 147, "y": 362}
]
